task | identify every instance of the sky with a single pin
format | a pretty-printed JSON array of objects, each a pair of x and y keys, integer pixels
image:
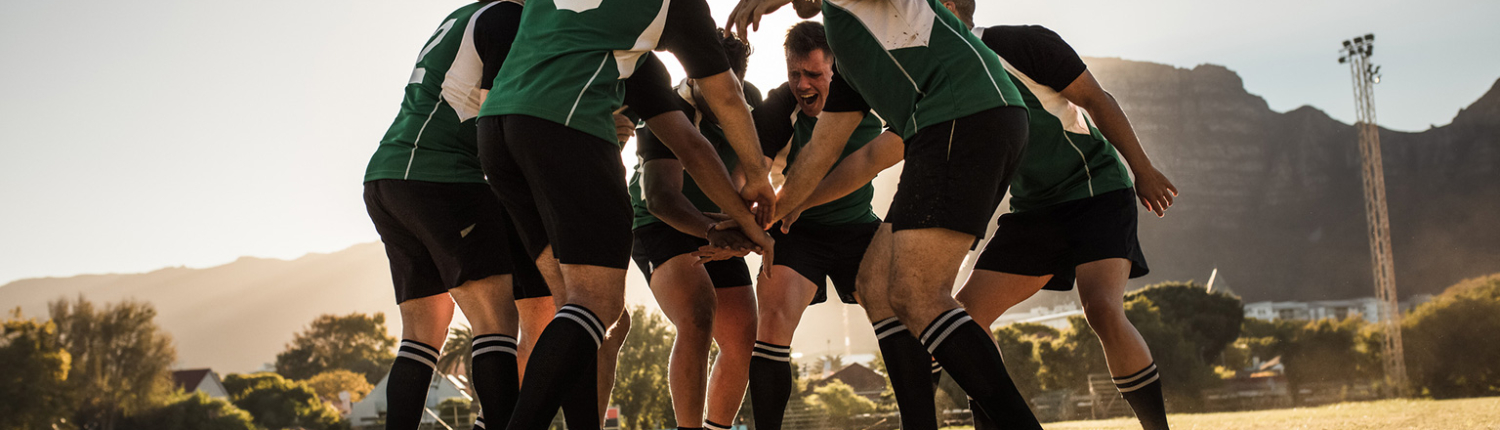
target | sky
[{"x": 156, "y": 133}]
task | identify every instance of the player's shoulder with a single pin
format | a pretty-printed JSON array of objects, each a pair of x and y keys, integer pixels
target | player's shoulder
[{"x": 1020, "y": 34}]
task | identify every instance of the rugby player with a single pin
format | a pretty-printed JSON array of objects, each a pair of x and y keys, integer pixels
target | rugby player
[
  {"x": 964, "y": 126},
  {"x": 548, "y": 146}
]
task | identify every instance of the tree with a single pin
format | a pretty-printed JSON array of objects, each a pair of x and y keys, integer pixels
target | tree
[
  {"x": 1019, "y": 344},
  {"x": 1211, "y": 321},
  {"x": 828, "y": 364},
  {"x": 276, "y": 402},
  {"x": 457, "y": 354},
  {"x": 1067, "y": 361},
  {"x": 641, "y": 378},
  {"x": 1450, "y": 342},
  {"x": 33, "y": 386},
  {"x": 329, "y": 384},
  {"x": 194, "y": 411},
  {"x": 121, "y": 359},
  {"x": 838, "y": 401},
  {"x": 356, "y": 342}
]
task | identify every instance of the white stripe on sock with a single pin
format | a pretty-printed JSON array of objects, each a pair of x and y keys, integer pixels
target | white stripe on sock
[
  {"x": 1142, "y": 384},
  {"x": 585, "y": 324},
  {"x": 1142, "y": 374},
  {"x": 420, "y": 347},
  {"x": 489, "y": 349},
  {"x": 417, "y": 357},
  {"x": 770, "y": 357},
  {"x": 932, "y": 347}
]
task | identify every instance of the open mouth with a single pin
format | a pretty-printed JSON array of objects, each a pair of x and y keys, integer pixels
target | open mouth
[{"x": 810, "y": 98}]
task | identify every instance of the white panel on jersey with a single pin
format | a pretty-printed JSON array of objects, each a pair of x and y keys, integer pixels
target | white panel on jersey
[
  {"x": 1068, "y": 113},
  {"x": 625, "y": 60},
  {"x": 461, "y": 84},
  {"x": 417, "y": 75},
  {"x": 895, "y": 23},
  {"x": 577, "y": 5}
]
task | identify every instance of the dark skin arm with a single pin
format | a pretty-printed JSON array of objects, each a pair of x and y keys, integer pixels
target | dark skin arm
[
  {"x": 726, "y": 98},
  {"x": 699, "y": 159},
  {"x": 661, "y": 180},
  {"x": 1153, "y": 188}
]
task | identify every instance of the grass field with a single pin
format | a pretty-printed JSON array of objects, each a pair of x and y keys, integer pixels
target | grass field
[{"x": 1463, "y": 414}]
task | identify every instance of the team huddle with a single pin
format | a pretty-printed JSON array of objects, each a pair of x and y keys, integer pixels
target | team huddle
[{"x": 500, "y": 188}]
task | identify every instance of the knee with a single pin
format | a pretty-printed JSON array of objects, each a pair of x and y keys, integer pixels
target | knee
[
  {"x": 615, "y": 338},
  {"x": 1104, "y": 318},
  {"x": 697, "y": 319}
]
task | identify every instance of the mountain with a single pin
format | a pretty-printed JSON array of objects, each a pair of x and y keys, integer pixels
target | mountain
[
  {"x": 237, "y": 316},
  {"x": 1273, "y": 200}
]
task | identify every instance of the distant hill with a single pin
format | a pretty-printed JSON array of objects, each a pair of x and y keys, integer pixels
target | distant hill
[
  {"x": 1271, "y": 199},
  {"x": 237, "y": 316}
]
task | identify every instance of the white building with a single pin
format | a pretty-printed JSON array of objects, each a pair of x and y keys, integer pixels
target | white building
[
  {"x": 1055, "y": 316},
  {"x": 200, "y": 380},
  {"x": 1364, "y": 307},
  {"x": 367, "y": 412}
]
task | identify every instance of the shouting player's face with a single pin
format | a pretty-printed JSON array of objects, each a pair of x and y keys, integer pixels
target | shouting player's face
[{"x": 808, "y": 76}]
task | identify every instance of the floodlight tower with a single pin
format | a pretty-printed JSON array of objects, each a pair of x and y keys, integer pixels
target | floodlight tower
[{"x": 1356, "y": 53}]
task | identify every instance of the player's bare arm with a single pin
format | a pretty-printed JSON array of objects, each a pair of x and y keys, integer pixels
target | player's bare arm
[
  {"x": 700, "y": 161},
  {"x": 828, "y": 139},
  {"x": 854, "y": 172},
  {"x": 1156, "y": 192},
  {"x": 725, "y": 96}
]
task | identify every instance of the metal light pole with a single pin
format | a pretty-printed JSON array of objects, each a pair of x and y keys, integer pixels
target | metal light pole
[{"x": 1356, "y": 52}]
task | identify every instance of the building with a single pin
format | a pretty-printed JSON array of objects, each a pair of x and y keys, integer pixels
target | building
[
  {"x": 200, "y": 380},
  {"x": 1364, "y": 307},
  {"x": 865, "y": 382},
  {"x": 1055, "y": 316},
  {"x": 369, "y": 413}
]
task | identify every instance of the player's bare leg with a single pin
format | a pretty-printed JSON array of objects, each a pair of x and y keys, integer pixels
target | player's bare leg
[
  {"x": 782, "y": 299},
  {"x": 734, "y": 331},
  {"x": 686, "y": 295}
]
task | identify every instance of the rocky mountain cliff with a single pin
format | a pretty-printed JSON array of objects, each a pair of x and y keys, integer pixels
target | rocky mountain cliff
[{"x": 1275, "y": 200}]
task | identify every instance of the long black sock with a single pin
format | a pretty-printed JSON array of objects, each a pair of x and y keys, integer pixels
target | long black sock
[
  {"x": 937, "y": 371},
  {"x": 982, "y": 421},
  {"x": 580, "y": 405},
  {"x": 479, "y": 421},
  {"x": 494, "y": 372},
  {"x": 970, "y": 356},
  {"x": 565, "y": 352},
  {"x": 910, "y": 369},
  {"x": 1142, "y": 390},
  {"x": 406, "y": 387},
  {"x": 770, "y": 383}
]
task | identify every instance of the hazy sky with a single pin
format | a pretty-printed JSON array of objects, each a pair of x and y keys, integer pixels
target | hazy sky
[{"x": 155, "y": 133}]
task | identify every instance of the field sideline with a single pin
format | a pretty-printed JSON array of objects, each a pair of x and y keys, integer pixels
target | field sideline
[{"x": 1461, "y": 414}]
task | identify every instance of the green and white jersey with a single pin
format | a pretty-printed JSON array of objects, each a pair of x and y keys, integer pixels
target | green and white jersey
[
  {"x": 434, "y": 136},
  {"x": 1066, "y": 157},
  {"x": 913, "y": 62},
  {"x": 571, "y": 58},
  {"x": 785, "y": 129}
]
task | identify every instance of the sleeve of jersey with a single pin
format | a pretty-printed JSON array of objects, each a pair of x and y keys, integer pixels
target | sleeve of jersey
[
  {"x": 648, "y": 92},
  {"x": 649, "y": 147},
  {"x": 842, "y": 97},
  {"x": 1043, "y": 56},
  {"x": 493, "y": 34},
  {"x": 690, "y": 35},
  {"x": 773, "y": 120}
]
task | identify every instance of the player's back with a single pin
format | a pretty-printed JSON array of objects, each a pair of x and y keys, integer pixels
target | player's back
[
  {"x": 570, "y": 55},
  {"x": 433, "y": 137}
]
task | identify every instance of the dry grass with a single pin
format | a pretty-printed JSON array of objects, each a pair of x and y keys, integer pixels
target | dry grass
[{"x": 1462, "y": 414}]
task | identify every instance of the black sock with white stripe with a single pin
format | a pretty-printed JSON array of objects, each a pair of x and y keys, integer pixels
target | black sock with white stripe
[
  {"x": 770, "y": 383},
  {"x": 710, "y": 425},
  {"x": 970, "y": 356},
  {"x": 1142, "y": 390},
  {"x": 479, "y": 421},
  {"x": 494, "y": 374},
  {"x": 566, "y": 351},
  {"x": 406, "y": 386},
  {"x": 937, "y": 372},
  {"x": 910, "y": 368},
  {"x": 982, "y": 421},
  {"x": 580, "y": 405}
]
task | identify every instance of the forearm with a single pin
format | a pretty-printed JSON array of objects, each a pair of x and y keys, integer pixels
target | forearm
[
  {"x": 1115, "y": 126},
  {"x": 813, "y": 162},
  {"x": 726, "y": 98},
  {"x": 700, "y": 161},
  {"x": 674, "y": 209},
  {"x": 858, "y": 169}
]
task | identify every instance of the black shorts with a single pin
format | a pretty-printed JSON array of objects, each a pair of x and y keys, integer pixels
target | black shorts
[
  {"x": 1054, "y": 240},
  {"x": 528, "y": 282},
  {"x": 440, "y": 235},
  {"x": 820, "y": 252},
  {"x": 656, "y": 243},
  {"x": 956, "y": 172},
  {"x": 562, "y": 187}
]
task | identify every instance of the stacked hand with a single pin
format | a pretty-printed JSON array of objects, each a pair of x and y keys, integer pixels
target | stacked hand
[{"x": 746, "y": 15}]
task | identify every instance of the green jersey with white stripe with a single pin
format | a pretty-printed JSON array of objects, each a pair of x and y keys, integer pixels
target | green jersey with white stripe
[
  {"x": 1066, "y": 157},
  {"x": 913, "y": 62},
  {"x": 434, "y": 136},
  {"x": 571, "y": 58}
]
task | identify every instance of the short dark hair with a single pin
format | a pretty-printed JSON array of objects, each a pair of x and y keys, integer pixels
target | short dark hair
[
  {"x": 965, "y": 10},
  {"x": 737, "y": 50},
  {"x": 805, "y": 37}
]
